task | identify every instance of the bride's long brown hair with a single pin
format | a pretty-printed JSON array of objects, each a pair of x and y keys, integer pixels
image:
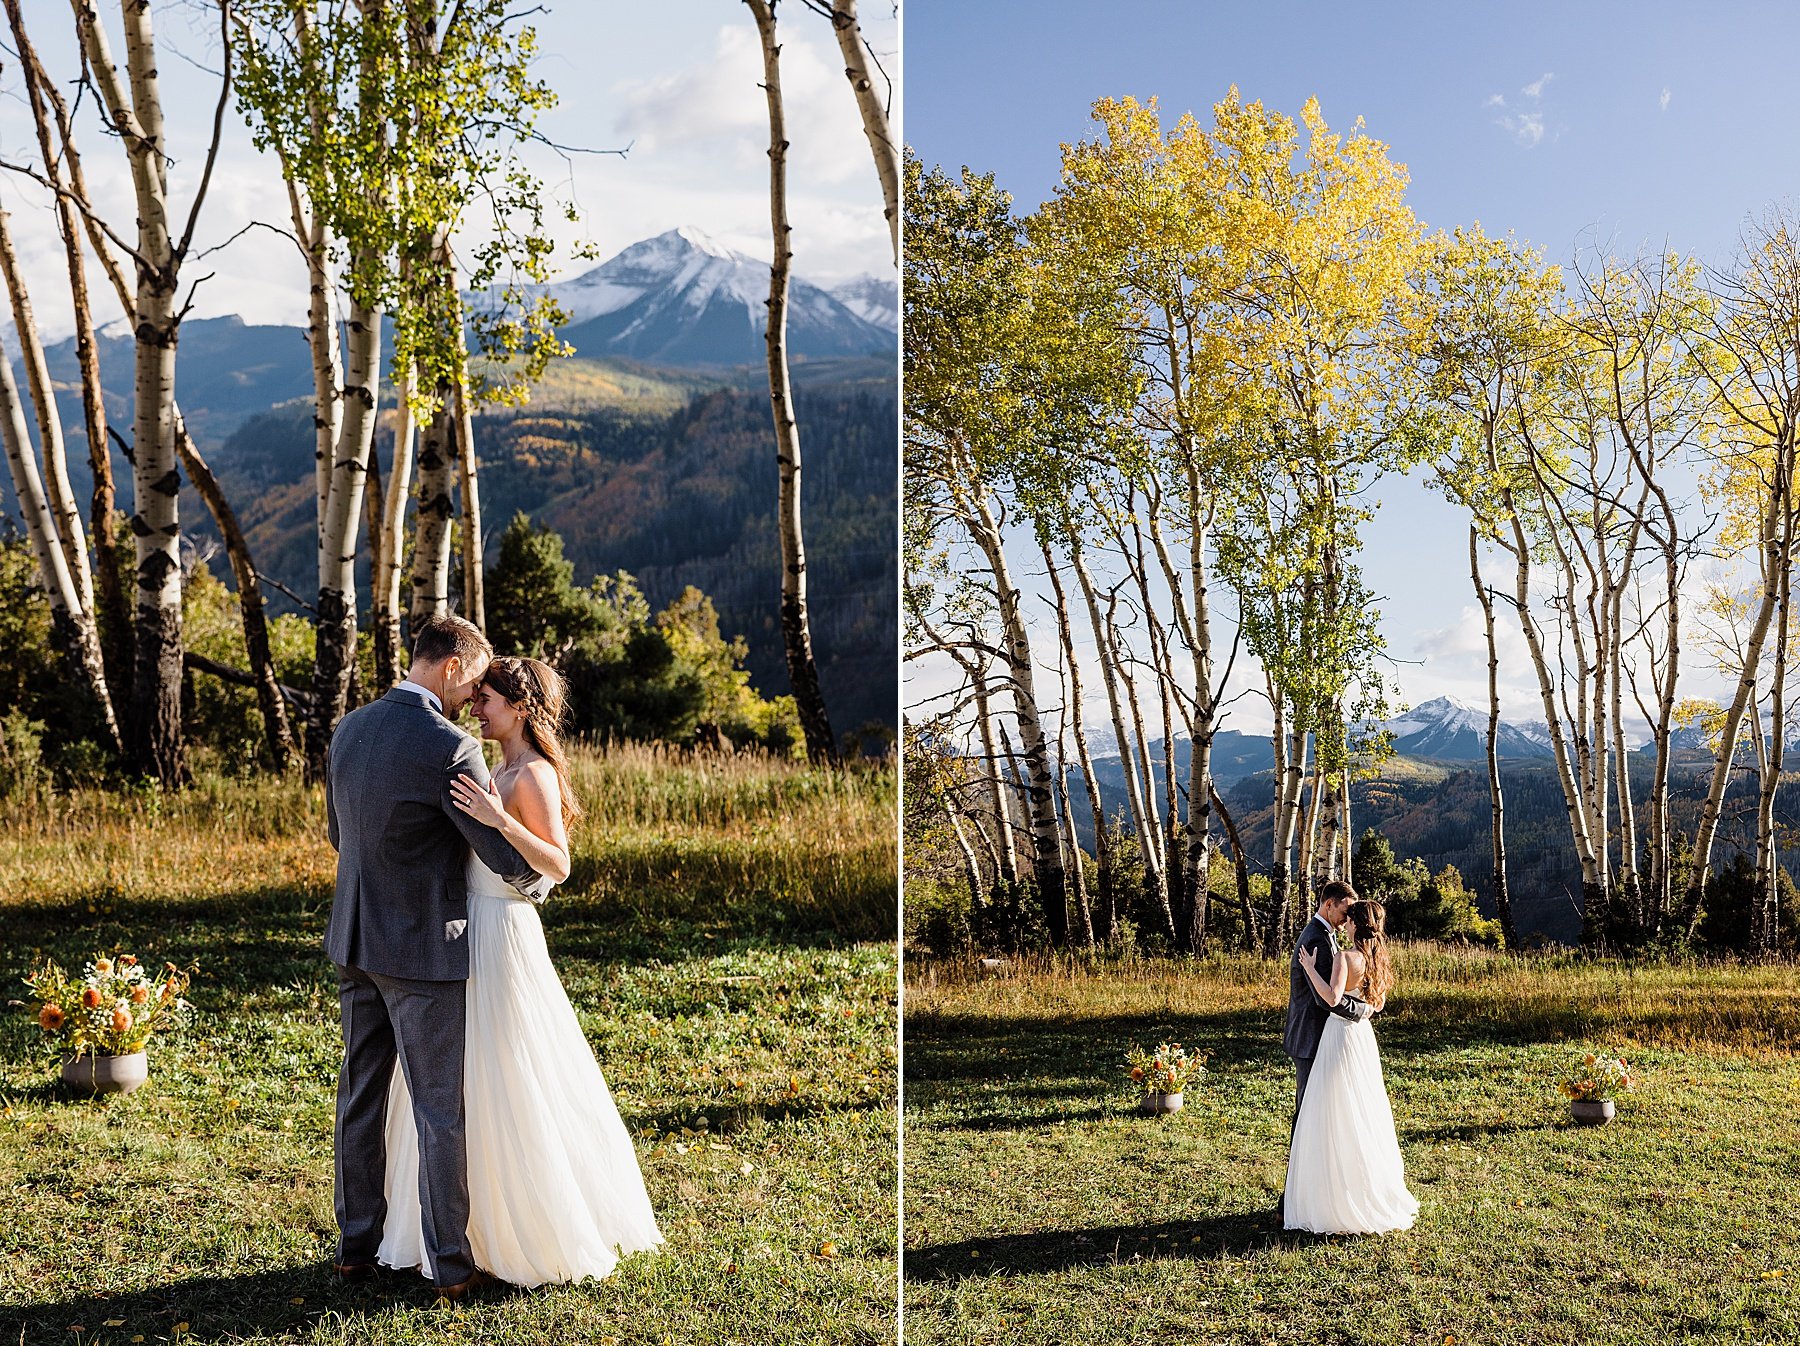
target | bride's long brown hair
[
  {"x": 539, "y": 694},
  {"x": 1368, "y": 935}
]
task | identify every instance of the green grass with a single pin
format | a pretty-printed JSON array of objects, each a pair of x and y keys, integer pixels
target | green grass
[
  {"x": 1041, "y": 1208},
  {"x": 726, "y": 938}
]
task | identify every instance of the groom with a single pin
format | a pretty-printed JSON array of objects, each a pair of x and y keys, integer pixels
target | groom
[
  {"x": 1306, "y": 1012},
  {"x": 396, "y": 935}
]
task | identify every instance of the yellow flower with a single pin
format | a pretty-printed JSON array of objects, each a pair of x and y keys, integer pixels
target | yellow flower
[{"x": 103, "y": 965}]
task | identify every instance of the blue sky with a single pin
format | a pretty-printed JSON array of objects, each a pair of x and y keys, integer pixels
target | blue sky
[
  {"x": 678, "y": 80},
  {"x": 1000, "y": 85},
  {"x": 1630, "y": 125}
]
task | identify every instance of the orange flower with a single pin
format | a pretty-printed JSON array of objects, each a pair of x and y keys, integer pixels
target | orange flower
[
  {"x": 1588, "y": 1060},
  {"x": 1137, "y": 1072},
  {"x": 51, "y": 1017},
  {"x": 91, "y": 998},
  {"x": 121, "y": 1020},
  {"x": 127, "y": 960},
  {"x": 139, "y": 994}
]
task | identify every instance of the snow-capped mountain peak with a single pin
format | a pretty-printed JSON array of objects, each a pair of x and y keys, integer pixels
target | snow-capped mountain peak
[
  {"x": 872, "y": 299},
  {"x": 683, "y": 297},
  {"x": 1441, "y": 712},
  {"x": 704, "y": 242},
  {"x": 1452, "y": 730}
]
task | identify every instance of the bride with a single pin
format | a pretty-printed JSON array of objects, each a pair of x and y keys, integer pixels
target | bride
[
  {"x": 555, "y": 1194},
  {"x": 1345, "y": 1175}
]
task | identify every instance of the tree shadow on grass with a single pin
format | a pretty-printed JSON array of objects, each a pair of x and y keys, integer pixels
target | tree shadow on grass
[
  {"x": 269, "y": 937},
  {"x": 729, "y": 1118},
  {"x": 1000, "y": 1050},
  {"x": 1015, "y": 1121},
  {"x": 1019, "y": 1055},
  {"x": 226, "y": 1307},
  {"x": 1473, "y": 1131},
  {"x": 1240, "y": 1233}
]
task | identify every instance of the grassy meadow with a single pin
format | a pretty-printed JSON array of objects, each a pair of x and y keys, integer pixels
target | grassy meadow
[
  {"x": 1041, "y": 1208},
  {"x": 726, "y": 937}
]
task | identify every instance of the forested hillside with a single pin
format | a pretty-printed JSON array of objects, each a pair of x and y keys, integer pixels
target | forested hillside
[
  {"x": 676, "y": 492},
  {"x": 1443, "y": 817},
  {"x": 1440, "y": 813}
]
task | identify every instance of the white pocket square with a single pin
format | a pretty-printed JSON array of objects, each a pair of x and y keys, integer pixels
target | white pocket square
[{"x": 454, "y": 929}]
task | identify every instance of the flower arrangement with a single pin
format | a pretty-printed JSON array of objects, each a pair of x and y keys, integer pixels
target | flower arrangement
[
  {"x": 1167, "y": 1070},
  {"x": 113, "y": 1008},
  {"x": 1597, "y": 1078}
]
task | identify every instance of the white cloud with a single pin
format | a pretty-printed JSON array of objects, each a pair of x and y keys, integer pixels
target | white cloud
[
  {"x": 718, "y": 108},
  {"x": 1662, "y": 101},
  {"x": 1526, "y": 126},
  {"x": 692, "y": 101}
]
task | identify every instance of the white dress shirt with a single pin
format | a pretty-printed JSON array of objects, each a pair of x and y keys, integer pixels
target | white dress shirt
[{"x": 430, "y": 695}]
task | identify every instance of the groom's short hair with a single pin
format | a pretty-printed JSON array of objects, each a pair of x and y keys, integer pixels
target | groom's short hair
[
  {"x": 440, "y": 637},
  {"x": 1337, "y": 891}
]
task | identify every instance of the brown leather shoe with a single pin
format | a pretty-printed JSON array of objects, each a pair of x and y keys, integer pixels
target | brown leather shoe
[
  {"x": 462, "y": 1289},
  {"x": 353, "y": 1271}
]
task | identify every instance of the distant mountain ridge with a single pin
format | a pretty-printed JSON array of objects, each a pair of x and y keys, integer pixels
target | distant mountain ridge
[
  {"x": 1440, "y": 730},
  {"x": 664, "y": 467},
  {"x": 676, "y": 301},
  {"x": 682, "y": 298},
  {"x": 1444, "y": 729},
  {"x": 1431, "y": 801}
]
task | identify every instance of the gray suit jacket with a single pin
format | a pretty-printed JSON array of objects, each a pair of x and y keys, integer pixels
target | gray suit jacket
[
  {"x": 402, "y": 899},
  {"x": 1306, "y": 1012}
]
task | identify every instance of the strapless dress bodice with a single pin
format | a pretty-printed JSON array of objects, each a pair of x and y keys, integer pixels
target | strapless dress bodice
[{"x": 484, "y": 882}]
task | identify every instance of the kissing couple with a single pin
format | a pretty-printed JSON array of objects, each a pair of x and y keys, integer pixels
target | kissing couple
[
  {"x": 1345, "y": 1174},
  {"x": 475, "y": 1137}
]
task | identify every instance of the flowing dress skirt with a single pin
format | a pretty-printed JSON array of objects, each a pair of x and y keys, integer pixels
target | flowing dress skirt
[
  {"x": 555, "y": 1193},
  {"x": 1345, "y": 1174}
]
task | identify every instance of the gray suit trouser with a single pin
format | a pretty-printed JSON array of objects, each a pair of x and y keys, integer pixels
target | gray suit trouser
[
  {"x": 422, "y": 1022},
  {"x": 1302, "y": 1072}
]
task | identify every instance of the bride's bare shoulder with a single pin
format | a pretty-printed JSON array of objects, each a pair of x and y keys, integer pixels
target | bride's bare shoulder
[{"x": 533, "y": 791}]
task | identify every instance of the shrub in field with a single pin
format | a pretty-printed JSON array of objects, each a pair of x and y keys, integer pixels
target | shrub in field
[
  {"x": 673, "y": 677},
  {"x": 1732, "y": 897},
  {"x": 1420, "y": 904}
]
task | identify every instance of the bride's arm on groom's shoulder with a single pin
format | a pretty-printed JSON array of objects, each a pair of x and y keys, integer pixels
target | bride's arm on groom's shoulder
[
  {"x": 1330, "y": 992},
  {"x": 531, "y": 820},
  {"x": 486, "y": 840}
]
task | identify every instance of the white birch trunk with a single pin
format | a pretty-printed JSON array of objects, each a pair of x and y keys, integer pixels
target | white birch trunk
[
  {"x": 60, "y": 523},
  {"x": 873, "y": 111},
  {"x": 386, "y": 581},
  {"x": 796, "y": 623},
  {"x": 1041, "y": 796},
  {"x": 1077, "y": 715},
  {"x": 156, "y": 518},
  {"x": 431, "y": 547}
]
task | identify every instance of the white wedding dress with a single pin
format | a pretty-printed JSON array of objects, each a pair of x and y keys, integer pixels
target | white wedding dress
[
  {"x": 1345, "y": 1174},
  {"x": 555, "y": 1194}
]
